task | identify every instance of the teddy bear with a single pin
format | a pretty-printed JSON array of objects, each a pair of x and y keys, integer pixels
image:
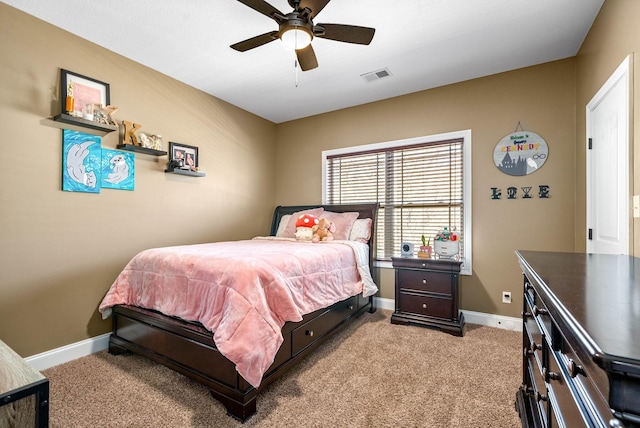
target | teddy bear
[
  {"x": 304, "y": 227},
  {"x": 323, "y": 230}
]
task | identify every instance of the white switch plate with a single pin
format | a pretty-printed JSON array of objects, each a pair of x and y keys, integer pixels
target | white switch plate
[{"x": 636, "y": 206}]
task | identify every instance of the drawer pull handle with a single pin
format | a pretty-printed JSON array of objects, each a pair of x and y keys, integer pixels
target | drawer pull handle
[
  {"x": 424, "y": 306},
  {"x": 424, "y": 265},
  {"x": 350, "y": 307},
  {"x": 575, "y": 369},
  {"x": 424, "y": 281},
  {"x": 535, "y": 346},
  {"x": 541, "y": 397},
  {"x": 527, "y": 352},
  {"x": 615, "y": 423},
  {"x": 537, "y": 311},
  {"x": 550, "y": 375},
  {"x": 309, "y": 333},
  {"x": 526, "y": 315}
]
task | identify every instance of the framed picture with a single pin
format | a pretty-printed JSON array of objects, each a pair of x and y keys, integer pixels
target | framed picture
[
  {"x": 183, "y": 157},
  {"x": 81, "y": 157},
  {"x": 118, "y": 169},
  {"x": 78, "y": 91}
]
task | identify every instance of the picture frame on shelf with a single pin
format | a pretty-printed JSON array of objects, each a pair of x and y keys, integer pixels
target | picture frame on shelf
[
  {"x": 182, "y": 156},
  {"x": 77, "y": 90}
]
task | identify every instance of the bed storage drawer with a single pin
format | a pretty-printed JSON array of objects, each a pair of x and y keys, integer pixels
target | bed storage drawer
[
  {"x": 309, "y": 332},
  {"x": 177, "y": 348}
]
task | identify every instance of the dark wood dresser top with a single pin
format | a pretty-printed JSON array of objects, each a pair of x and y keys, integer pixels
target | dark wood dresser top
[{"x": 597, "y": 295}]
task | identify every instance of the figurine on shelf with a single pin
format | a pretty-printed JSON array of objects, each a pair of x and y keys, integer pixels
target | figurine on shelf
[
  {"x": 156, "y": 141},
  {"x": 129, "y": 132},
  {"x": 69, "y": 102},
  {"x": 105, "y": 114},
  {"x": 145, "y": 140}
]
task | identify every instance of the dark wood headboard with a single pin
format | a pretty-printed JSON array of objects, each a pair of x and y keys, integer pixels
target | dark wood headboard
[{"x": 368, "y": 210}]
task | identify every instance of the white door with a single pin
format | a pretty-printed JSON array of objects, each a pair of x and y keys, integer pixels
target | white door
[{"x": 608, "y": 166}]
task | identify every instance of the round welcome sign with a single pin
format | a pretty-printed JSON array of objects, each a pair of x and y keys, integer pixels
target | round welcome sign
[{"x": 520, "y": 153}]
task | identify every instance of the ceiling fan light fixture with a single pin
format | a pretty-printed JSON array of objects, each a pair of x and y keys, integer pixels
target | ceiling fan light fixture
[{"x": 296, "y": 38}]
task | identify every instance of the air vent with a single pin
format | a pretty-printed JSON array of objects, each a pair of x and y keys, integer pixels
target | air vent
[{"x": 376, "y": 75}]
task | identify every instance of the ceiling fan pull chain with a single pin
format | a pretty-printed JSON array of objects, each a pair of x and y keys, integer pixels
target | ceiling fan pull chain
[{"x": 295, "y": 66}]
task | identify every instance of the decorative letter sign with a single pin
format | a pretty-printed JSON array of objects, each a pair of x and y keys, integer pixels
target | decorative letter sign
[
  {"x": 512, "y": 192},
  {"x": 520, "y": 153}
]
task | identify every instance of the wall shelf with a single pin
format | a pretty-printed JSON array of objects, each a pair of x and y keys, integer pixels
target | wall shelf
[
  {"x": 185, "y": 172},
  {"x": 140, "y": 149},
  {"x": 78, "y": 121}
]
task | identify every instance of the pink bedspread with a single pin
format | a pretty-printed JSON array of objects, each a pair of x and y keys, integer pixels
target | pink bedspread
[{"x": 243, "y": 291}]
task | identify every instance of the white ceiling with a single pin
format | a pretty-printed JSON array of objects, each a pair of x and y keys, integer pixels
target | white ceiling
[{"x": 423, "y": 43}]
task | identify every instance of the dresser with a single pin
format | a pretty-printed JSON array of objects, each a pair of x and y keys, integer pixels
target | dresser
[
  {"x": 427, "y": 293},
  {"x": 581, "y": 340},
  {"x": 24, "y": 392}
]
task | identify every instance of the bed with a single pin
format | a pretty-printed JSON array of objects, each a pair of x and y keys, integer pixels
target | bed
[{"x": 186, "y": 345}]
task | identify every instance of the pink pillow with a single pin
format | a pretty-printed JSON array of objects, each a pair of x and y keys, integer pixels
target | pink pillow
[
  {"x": 343, "y": 221},
  {"x": 361, "y": 230},
  {"x": 290, "y": 231}
]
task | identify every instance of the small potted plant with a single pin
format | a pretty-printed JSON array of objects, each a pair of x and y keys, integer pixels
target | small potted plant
[{"x": 425, "y": 248}]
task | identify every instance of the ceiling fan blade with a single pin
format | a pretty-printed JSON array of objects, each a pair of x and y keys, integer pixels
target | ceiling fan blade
[
  {"x": 346, "y": 33},
  {"x": 307, "y": 58},
  {"x": 263, "y": 7},
  {"x": 315, "y": 5},
  {"x": 256, "y": 41}
]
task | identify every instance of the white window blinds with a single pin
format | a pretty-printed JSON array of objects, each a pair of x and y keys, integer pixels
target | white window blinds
[{"x": 420, "y": 188}]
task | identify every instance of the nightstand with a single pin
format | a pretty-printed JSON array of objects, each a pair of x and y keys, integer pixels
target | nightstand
[{"x": 427, "y": 293}]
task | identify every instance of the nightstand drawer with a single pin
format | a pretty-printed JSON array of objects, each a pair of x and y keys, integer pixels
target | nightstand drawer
[
  {"x": 431, "y": 282},
  {"x": 426, "y": 305}
]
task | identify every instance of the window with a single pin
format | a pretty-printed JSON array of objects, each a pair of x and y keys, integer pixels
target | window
[{"x": 422, "y": 184}]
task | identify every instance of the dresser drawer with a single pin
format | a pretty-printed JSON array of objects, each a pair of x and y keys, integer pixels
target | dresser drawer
[
  {"x": 583, "y": 375},
  {"x": 560, "y": 388},
  {"x": 534, "y": 341},
  {"x": 421, "y": 304},
  {"x": 430, "y": 282}
]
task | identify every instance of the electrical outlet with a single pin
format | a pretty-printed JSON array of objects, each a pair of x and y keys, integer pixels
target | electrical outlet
[{"x": 506, "y": 297}]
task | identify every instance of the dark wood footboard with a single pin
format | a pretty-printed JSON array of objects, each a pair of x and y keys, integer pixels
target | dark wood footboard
[{"x": 188, "y": 348}]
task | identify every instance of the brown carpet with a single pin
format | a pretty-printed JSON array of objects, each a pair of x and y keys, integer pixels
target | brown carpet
[{"x": 374, "y": 374}]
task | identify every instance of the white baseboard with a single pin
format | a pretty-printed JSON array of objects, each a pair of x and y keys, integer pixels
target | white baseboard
[
  {"x": 70, "y": 352},
  {"x": 86, "y": 347},
  {"x": 383, "y": 303},
  {"x": 471, "y": 317},
  {"x": 492, "y": 320}
]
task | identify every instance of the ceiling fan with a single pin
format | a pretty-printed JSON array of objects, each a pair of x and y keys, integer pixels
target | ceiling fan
[{"x": 297, "y": 29}]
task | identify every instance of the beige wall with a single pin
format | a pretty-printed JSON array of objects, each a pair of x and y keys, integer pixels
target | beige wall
[
  {"x": 541, "y": 98},
  {"x": 61, "y": 251},
  {"x": 614, "y": 35}
]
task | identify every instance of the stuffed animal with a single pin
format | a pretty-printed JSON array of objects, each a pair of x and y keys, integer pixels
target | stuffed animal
[
  {"x": 304, "y": 227},
  {"x": 323, "y": 231}
]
